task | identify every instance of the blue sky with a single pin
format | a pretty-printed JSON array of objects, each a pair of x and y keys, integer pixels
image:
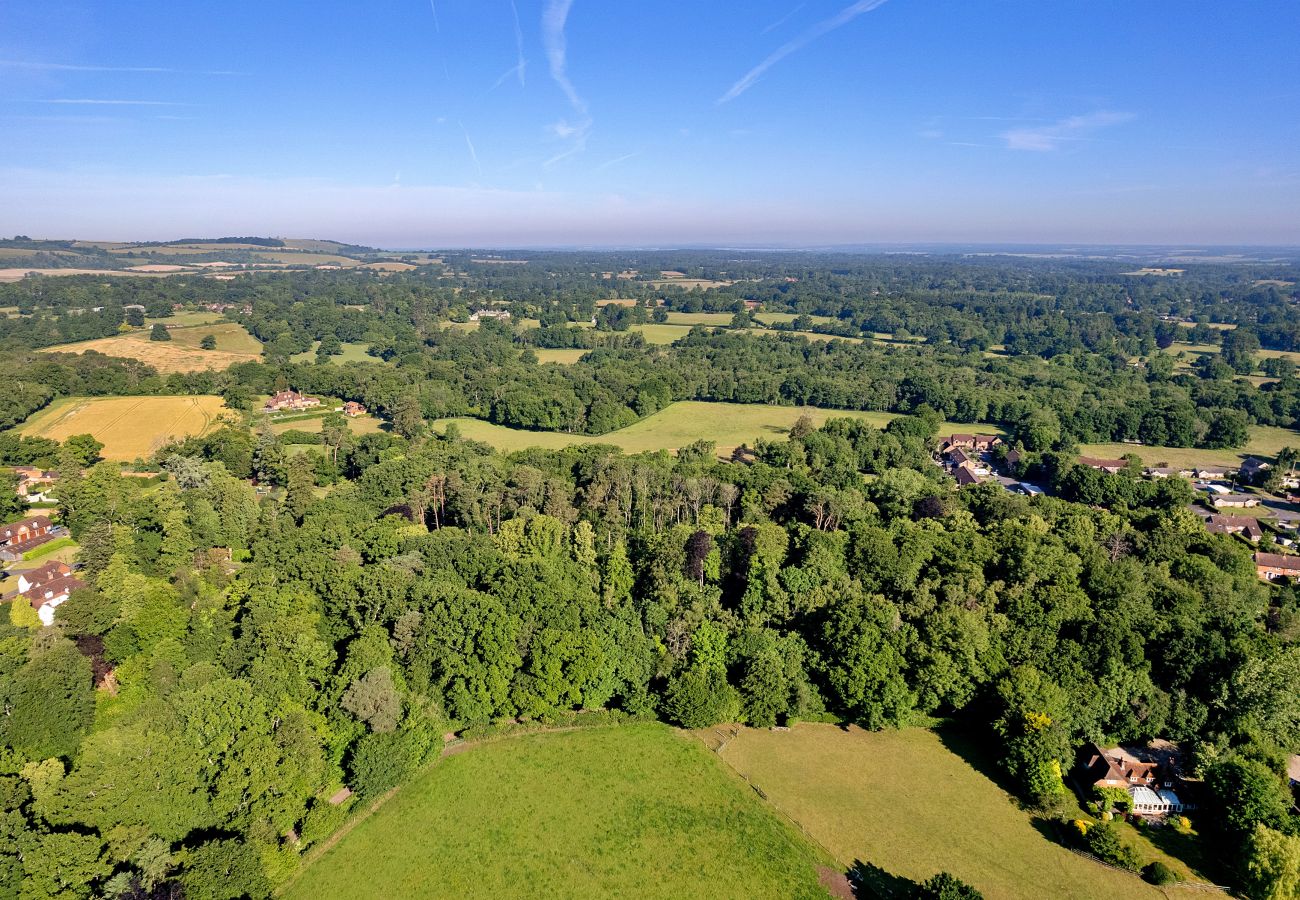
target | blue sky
[{"x": 408, "y": 123}]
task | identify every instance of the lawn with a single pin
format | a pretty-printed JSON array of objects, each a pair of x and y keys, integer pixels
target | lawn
[
  {"x": 632, "y": 811},
  {"x": 908, "y": 805},
  {"x": 129, "y": 427},
  {"x": 727, "y": 424},
  {"x": 1265, "y": 442},
  {"x": 181, "y": 353},
  {"x": 359, "y": 425}
]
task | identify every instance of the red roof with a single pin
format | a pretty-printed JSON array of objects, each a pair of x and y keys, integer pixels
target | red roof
[{"x": 57, "y": 589}]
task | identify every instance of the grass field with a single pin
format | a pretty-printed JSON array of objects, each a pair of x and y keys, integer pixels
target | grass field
[
  {"x": 359, "y": 425},
  {"x": 129, "y": 427},
  {"x": 351, "y": 353},
  {"x": 1265, "y": 441},
  {"x": 700, "y": 318},
  {"x": 181, "y": 353},
  {"x": 662, "y": 334},
  {"x": 727, "y": 424},
  {"x": 203, "y": 317},
  {"x": 776, "y": 318},
  {"x": 904, "y": 802},
  {"x": 632, "y": 811}
]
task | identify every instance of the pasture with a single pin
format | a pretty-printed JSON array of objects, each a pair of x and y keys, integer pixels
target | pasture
[
  {"x": 682, "y": 423},
  {"x": 629, "y": 811},
  {"x": 564, "y": 357},
  {"x": 129, "y": 427},
  {"x": 909, "y": 804},
  {"x": 181, "y": 353}
]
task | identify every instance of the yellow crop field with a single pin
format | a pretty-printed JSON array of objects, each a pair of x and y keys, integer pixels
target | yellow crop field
[
  {"x": 129, "y": 427},
  {"x": 181, "y": 353}
]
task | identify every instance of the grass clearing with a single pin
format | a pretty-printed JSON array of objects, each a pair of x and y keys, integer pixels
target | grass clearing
[
  {"x": 184, "y": 319},
  {"x": 358, "y": 426},
  {"x": 682, "y": 423},
  {"x": 351, "y": 353},
  {"x": 700, "y": 318},
  {"x": 779, "y": 318},
  {"x": 129, "y": 427},
  {"x": 906, "y": 803},
  {"x": 231, "y": 338},
  {"x": 662, "y": 334},
  {"x": 564, "y": 357},
  {"x": 630, "y": 811}
]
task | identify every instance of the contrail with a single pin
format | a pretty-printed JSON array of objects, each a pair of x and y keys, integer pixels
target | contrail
[
  {"x": 522, "y": 67},
  {"x": 845, "y": 16},
  {"x": 473, "y": 154},
  {"x": 785, "y": 18},
  {"x": 437, "y": 26},
  {"x": 147, "y": 70},
  {"x": 553, "y": 21}
]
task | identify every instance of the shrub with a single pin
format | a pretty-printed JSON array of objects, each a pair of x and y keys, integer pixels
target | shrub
[
  {"x": 1158, "y": 873},
  {"x": 945, "y": 887},
  {"x": 1103, "y": 842}
]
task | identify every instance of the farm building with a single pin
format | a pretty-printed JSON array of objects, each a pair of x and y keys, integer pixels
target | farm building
[
  {"x": 27, "y": 534},
  {"x": 1242, "y": 525},
  {"x": 291, "y": 400},
  {"x": 1271, "y": 566}
]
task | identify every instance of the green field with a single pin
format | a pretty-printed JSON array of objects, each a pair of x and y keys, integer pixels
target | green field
[
  {"x": 906, "y": 803},
  {"x": 700, "y": 318},
  {"x": 727, "y": 424},
  {"x": 351, "y": 353},
  {"x": 775, "y": 318},
  {"x": 662, "y": 334},
  {"x": 1265, "y": 441},
  {"x": 203, "y": 317},
  {"x": 632, "y": 811}
]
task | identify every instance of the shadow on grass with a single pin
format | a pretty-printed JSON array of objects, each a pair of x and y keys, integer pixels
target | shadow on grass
[
  {"x": 870, "y": 882},
  {"x": 975, "y": 753}
]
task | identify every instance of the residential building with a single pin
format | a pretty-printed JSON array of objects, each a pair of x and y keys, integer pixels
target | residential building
[
  {"x": 352, "y": 409},
  {"x": 1212, "y": 473},
  {"x": 980, "y": 443},
  {"x": 1110, "y": 466},
  {"x": 1272, "y": 566},
  {"x": 27, "y": 534},
  {"x": 966, "y": 475},
  {"x": 50, "y": 595},
  {"x": 1253, "y": 469},
  {"x": 1239, "y": 501},
  {"x": 1243, "y": 525},
  {"x": 1151, "y": 776},
  {"x": 290, "y": 400},
  {"x": 33, "y": 483},
  {"x": 1168, "y": 472},
  {"x": 481, "y": 314}
]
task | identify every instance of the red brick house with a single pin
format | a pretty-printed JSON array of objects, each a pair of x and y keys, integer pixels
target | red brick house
[
  {"x": 1272, "y": 566},
  {"x": 352, "y": 409},
  {"x": 980, "y": 443},
  {"x": 292, "y": 400}
]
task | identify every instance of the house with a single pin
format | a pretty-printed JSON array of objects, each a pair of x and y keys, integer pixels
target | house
[
  {"x": 1253, "y": 469},
  {"x": 1013, "y": 458},
  {"x": 1110, "y": 466},
  {"x": 1148, "y": 774},
  {"x": 959, "y": 457},
  {"x": 1293, "y": 770},
  {"x": 966, "y": 475},
  {"x": 980, "y": 443},
  {"x": 1242, "y": 525},
  {"x": 1221, "y": 501},
  {"x": 1211, "y": 473},
  {"x": 1168, "y": 472},
  {"x": 352, "y": 409},
  {"x": 33, "y": 482},
  {"x": 753, "y": 305},
  {"x": 1272, "y": 566},
  {"x": 51, "y": 592},
  {"x": 481, "y": 314},
  {"x": 28, "y": 534},
  {"x": 292, "y": 400}
]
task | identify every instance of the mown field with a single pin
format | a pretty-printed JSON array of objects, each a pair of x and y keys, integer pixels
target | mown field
[
  {"x": 727, "y": 424},
  {"x": 129, "y": 427},
  {"x": 632, "y": 811},
  {"x": 906, "y": 804},
  {"x": 181, "y": 353}
]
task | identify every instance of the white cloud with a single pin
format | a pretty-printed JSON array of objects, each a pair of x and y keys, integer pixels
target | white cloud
[
  {"x": 821, "y": 29},
  {"x": 1045, "y": 138}
]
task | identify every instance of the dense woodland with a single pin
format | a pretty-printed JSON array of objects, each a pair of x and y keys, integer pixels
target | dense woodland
[{"x": 238, "y": 657}]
